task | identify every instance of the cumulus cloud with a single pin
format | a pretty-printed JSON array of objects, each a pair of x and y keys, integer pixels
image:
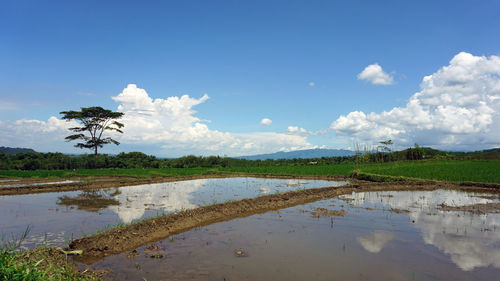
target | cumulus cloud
[
  {"x": 457, "y": 108},
  {"x": 266, "y": 122},
  {"x": 312, "y": 84},
  {"x": 171, "y": 123},
  {"x": 375, "y": 75},
  {"x": 296, "y": 130},
  {"x": 299, "y": 131},
  {"x": 36, "y": 134},
  {"x": 165, "y": 126}
]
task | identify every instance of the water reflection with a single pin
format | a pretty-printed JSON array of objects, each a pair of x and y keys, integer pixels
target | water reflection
[
  {"x": 329, "y": 240},
  {"x": 470, "y": 240},
  {"x": 375, "y": 241},
  {"x": 134, "y": 201},
  {"x": 91, "y": 200},
  {"x": 56, "y": 217}
]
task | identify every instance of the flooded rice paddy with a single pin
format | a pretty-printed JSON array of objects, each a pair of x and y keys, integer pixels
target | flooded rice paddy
[
  {"x": 399, "y": 235},
  {"x": 56, "y": 218},
  {"x": 34, "y": 184}
]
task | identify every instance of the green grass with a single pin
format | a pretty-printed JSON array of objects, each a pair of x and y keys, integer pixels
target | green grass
[
  {"x": 487, "y": 171},
  {"x": 446, "y": 170},
  {"x": 311, "y": 170},
  {"x": 41, "y": 263},
  {"x": 141, "y": 173}
]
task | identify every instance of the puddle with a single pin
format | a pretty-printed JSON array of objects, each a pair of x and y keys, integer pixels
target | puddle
[
  {"x": 36, "y": 183},
  {"x": 363, "y": 236},
  {"x": 56, "y": 218}
]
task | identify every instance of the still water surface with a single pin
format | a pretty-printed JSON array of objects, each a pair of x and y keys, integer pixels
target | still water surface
[
  {"x": 363, "y": 236},
  {"x": 55, "y": 218}
]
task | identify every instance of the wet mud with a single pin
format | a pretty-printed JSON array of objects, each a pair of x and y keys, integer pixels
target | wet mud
[
  {"x": 476, "y": 209},
  {"x": 130, "y": 237}
]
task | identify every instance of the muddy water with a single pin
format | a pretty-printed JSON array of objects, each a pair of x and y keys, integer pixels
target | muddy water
[
  {"x": 55, "y": 218},
  {"x": 363, "y": 236}
]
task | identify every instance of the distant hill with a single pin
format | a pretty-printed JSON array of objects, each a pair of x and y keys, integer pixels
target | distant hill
[
  {"x": 492, "y": 150},
  {"x": 308, "y": 153},
  {"x": 13, "y": 150}
]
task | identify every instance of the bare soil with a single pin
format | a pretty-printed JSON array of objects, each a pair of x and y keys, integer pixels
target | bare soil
[
  {"x": 477, "y": 209},
  {"x": 399, "y": 211},
  {"x": 323, "y": 212},
  {"x": 130, "y": 237}
]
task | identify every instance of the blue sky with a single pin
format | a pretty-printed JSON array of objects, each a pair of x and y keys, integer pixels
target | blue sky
[{"x": 297, "y": 63}]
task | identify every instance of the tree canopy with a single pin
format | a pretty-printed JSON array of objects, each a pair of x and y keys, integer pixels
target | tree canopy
[{"x": 94, "y": 120}]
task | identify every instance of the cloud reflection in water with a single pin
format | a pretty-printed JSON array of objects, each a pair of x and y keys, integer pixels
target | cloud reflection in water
[{"x": 470, "y": 240}]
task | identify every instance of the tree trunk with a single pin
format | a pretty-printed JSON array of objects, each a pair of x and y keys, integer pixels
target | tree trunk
[{"x": 95, "y": 157}]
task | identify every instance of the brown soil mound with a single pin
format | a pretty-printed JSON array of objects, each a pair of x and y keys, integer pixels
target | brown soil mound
[
  {"x": 323, "y": 212},
  {"x": 477, "y": 209}
]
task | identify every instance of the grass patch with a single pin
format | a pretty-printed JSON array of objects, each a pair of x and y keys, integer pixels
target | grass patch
[
  {"x": 309, "y": 170},
  {"x": 445, "y": 170},
  {"x": 380, "y": 178},
  {"x": 139, "y": 173},
  {"x": 485, "y": 171},
  {"x": 41, "y": 263}
]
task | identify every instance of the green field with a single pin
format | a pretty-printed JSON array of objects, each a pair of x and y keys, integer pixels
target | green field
[
  {"x": 143, "y": 173},
  {"x": 487, "y": 171},
  {"x": 446, "y": 170},
  {"x": 319, "y": 170}
]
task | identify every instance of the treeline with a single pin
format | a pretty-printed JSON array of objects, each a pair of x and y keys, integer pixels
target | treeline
[{"x": 59, "y": 161}]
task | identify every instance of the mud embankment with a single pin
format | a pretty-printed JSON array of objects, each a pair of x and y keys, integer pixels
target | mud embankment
[{"x": 133, "y": 236}]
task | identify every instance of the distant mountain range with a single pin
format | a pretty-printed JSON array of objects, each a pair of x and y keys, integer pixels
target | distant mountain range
[
  {"x": 12, "y": 150},
  {"x": 307, "y": 153},
  {"x": 492, "y": 150}
]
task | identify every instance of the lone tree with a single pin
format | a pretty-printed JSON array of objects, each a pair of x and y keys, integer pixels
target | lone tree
[{"x": 95, "y": 120}]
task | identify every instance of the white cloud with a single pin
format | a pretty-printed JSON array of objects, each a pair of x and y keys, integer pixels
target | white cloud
[
  {"x": 266, "y": 122},
  {"x": 165, "y": 126},
  {"x": 295, "y": 130},
  {"x": 299, "y": 131},
  {"x": 312, "y": 84},
  {"x": 457, "y": 108},
  {"x": 375, "y": 75},
  {"x": 171, "y": 124},
  {"x": 36, "y": 134}
]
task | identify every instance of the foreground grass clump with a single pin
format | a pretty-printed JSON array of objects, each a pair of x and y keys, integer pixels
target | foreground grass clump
[{"x": 43, "y": 263}]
